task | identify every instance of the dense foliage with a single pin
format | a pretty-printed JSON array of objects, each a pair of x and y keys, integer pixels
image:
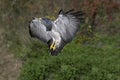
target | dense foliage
[{"x": 96, "y": 60}]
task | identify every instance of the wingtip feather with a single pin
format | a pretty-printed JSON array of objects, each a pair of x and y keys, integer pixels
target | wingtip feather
[{"x": 61, "y": 11}]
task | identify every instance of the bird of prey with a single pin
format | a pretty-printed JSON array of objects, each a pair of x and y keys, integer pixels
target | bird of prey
[{"x": 59, "y": 32}]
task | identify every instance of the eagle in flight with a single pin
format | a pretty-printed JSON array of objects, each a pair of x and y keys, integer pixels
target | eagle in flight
[{"x": 59, "y": 32}]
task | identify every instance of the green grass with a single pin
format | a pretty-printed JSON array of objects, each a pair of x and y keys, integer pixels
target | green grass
[{"x": 96, "y": 60}]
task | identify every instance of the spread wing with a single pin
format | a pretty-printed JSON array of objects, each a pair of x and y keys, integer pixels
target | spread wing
[
  {"x": 39, "y": 30},
  {"x": 68, "y": 24}
]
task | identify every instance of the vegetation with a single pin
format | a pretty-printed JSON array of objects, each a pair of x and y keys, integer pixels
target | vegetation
[
  {"x": 92, "y": 55},
  {"x": 96, "y": 60}
]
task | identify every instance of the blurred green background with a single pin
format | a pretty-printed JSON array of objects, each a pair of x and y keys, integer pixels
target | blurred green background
[{"x": 93, "y": 55}]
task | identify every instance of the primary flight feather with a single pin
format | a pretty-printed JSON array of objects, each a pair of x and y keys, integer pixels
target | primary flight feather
[{"x": 59, "y": 32}]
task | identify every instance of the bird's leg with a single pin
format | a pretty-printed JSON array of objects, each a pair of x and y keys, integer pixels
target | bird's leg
[
  {"x": 52, "y": 45},
  {"x": 55, "y": 45}
]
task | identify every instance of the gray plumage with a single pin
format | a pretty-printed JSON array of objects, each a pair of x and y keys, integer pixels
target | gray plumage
[{"x": 59, "y": 32}]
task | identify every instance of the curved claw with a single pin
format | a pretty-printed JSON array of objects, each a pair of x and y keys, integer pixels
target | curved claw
[{"x": 53, "y": 47}]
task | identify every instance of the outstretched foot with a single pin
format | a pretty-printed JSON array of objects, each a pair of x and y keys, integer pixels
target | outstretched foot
[{"x": 53, "y": 46}]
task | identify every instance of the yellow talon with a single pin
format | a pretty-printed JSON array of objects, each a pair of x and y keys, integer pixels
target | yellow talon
[{"x": 52, "y": 47}]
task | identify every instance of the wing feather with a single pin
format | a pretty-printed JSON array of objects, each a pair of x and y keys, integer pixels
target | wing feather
[
  {"x": 39, "y": 30},
  {"x": 68, "y": 23}
]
